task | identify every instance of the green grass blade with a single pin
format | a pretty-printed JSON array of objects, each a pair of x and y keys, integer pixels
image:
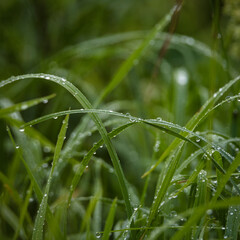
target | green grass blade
[
  {"x": 135, "y": 56},
  {"x": 192, "y": 178},
  {"x": 173, "y": 163},
  {"x": 86, "y": 104},
  {"x": 233, "y": 223},
  {"x": 86, "y": 220},
  {"x": 109, "y": 221},
  {"x": 39, "y": 222},
  {"x": 225, "y": 178},
  {"x": 218, "y": 158},
  {"x": 37, "y": 189},
  {"x": 25, "y": 105}
]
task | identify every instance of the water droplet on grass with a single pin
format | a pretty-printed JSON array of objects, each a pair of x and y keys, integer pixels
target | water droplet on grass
[
  {"x": 46, "y": 149},
  {"x": 98, "y": 235}
]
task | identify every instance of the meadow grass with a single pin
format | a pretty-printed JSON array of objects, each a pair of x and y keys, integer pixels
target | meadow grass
[{"x": 150, "y": 158}]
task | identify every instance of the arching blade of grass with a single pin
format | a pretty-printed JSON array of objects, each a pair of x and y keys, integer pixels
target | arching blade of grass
[
  {"x": 40, "y": 219},
  {"x": 195, "y": 120},
  {"x": 109, "y": 221},
  {"x": 86, "y": 104},
  {"x": 25, "y": 105},
  {"x": 56, "y": 231},
  {"x": 135, "y": 56}
]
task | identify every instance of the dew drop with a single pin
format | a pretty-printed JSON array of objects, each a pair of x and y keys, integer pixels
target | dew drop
[
  {"x": 24, "y": 107},
  {"x": 46, "y": 149},
  {"x": 21, "y": 130},
  {"x": 45, "y": 101},
  {"x": 98, "y": 235}
]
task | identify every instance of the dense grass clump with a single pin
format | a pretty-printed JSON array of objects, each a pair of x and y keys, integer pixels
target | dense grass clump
[{"x": 131, "y": 135}]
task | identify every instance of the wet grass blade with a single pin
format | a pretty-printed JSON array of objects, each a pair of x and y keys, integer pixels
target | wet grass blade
[
  {"x": 172, "y": 165},
  {"x": 109, "y": 221},
  {"x": 40, "y": 219},
  {"x": 25, "y": 105},
  {"x": 233, "y": 222},
  {"x": 86, "y": 104}
]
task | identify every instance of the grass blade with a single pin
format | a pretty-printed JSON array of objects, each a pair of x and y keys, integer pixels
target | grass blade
[
  {"x": 135, "y": 56},
  {"x": 109, "y": 221},
  {"x": 25, "y": 105},
  {"x": 39, "y": 222}
]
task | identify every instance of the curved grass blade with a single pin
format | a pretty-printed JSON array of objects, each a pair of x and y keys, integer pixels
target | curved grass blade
[
  {"x": 195, "y": 120},
  {"x": 25, "y": 105},
  {"x": 39, "y": 222},
  {"x": 86, "y": 104},
  {"x": 109, "y": 221}
]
